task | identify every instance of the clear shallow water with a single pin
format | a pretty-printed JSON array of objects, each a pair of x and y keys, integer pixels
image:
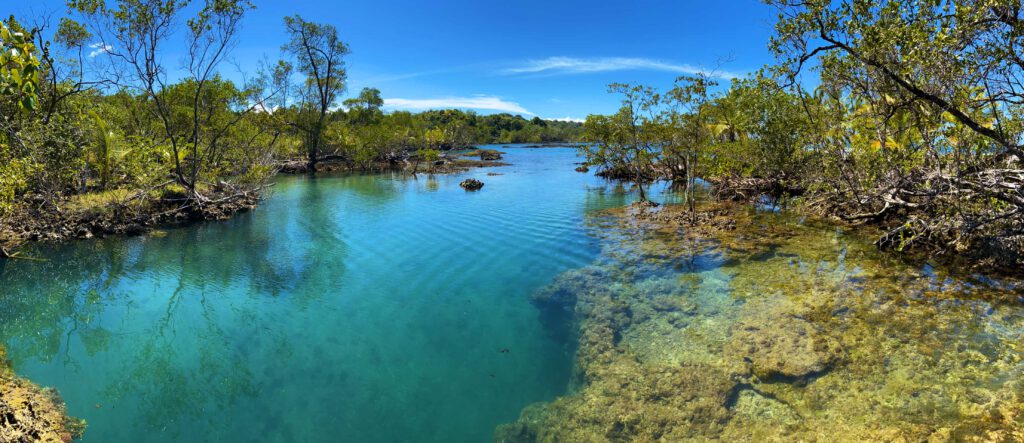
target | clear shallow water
[
  {"x": 777, "y": 328},
  {"x": 345, "y": 308}
]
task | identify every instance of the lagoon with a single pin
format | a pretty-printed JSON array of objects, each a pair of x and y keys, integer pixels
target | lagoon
[
  {"x": 347, "y": 307},
  {"x": 382, "y": 307}
]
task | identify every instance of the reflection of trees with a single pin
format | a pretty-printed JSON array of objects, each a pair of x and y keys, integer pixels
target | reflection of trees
[
  {"x": 172, "y": 323},
  {"x": 371, "y": 188},
  {"x": 603, "y": 197},
  {"x": 44, "y": 301}
]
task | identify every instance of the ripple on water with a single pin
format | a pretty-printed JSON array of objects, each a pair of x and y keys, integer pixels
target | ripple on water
[{"x": 341, "y": 303}]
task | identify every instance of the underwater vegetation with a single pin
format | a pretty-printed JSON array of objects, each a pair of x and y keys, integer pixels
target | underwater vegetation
[
  {"x": 771, "y": 328},
  {"x": 29, "y": 413}
]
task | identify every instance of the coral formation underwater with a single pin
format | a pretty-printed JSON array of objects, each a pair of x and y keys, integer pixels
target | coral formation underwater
[{"x": 771, "y": 328}]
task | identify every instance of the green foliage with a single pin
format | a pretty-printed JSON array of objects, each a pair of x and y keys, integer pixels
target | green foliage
[
  {"x": 19, "y": 66},
  {"x": 68, "y": 132},
  {"x": 755, "y": 129},
  {"x": 365, "y": 108},
  {"x": 628, "y": 143},
  {"x": 14, "y": 175},
  {"x": 319, "y": 54}
]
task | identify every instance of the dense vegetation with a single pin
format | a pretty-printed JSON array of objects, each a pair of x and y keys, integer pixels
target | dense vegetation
[
  {"x": 91, "y": 114},
  {"x": 916, "y": 125}
]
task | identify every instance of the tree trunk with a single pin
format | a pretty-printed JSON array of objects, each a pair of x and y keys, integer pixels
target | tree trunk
[{"x": 640, "y": 184}]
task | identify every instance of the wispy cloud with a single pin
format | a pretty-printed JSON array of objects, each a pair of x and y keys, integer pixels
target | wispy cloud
[
  {"x": 395, "y": 77},
  {"x": 570, "y": 65},
  {"x": 99, "y": 48},
  {"x": 487, "y": 102}
]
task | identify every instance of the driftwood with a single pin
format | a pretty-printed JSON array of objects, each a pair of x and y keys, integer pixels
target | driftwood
[
  {"x": 16, "y": 255},
  {"x": 752, "y": 188}
]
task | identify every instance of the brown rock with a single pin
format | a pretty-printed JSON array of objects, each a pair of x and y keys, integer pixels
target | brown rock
[
  {"x": 490, "y": 155},
  {"x": 29, "y": 413},
  {"x": 471, "y": 184},
  {"x": 781, "y": 345}
]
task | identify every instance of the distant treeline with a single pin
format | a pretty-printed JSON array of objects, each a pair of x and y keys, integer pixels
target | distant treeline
[{"x": 87, "y": 106}]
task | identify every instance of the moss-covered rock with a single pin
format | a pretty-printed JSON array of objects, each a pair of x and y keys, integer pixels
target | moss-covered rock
[
  {"x": 630, "y": 402},
  {"x": 29, "y": 413},
  {"x": 772, "y": 330},
  {"x": 489, "y": 154},
  {"x": 781, "y": 345}
]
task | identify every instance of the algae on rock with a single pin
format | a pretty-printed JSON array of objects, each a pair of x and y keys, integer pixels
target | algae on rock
[
  {"x": 766, "y": 328},
  {"x": 29, "y": 413}
]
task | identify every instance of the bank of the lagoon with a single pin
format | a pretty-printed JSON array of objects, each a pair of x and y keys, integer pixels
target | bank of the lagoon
[{"x": 379, "y": 307}]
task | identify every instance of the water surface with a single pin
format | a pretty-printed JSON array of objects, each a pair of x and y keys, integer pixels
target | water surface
[
  {"x": 348, "y": 307},
  {"x": 385, "y": 308}
]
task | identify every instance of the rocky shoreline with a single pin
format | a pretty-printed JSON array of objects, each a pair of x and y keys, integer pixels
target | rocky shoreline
[
  {"x": 49, "y": 225},
  {"x": 221, "y": 202}
]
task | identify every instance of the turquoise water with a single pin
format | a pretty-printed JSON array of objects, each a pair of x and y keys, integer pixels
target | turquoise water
[{"x": 345, "y": 308}]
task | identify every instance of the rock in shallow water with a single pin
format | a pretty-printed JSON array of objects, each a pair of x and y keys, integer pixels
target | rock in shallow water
[
  {"x": 471, "y": 184},
  {"x": 781, "y": 345},
  {"x": 632, "y": 402},
  {"x": 490, "y": 155}
]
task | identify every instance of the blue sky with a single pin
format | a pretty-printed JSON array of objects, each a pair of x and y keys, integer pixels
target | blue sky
[{"x": 552, "y": 59}]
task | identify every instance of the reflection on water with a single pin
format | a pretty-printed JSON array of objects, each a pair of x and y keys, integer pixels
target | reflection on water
[
  {"x": 384, "y": 308},
  {"x": 345, "y": 308},
  {"x": 778, "y": 330}
]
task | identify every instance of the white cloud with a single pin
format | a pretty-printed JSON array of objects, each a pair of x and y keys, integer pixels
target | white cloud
[
  {"x": 99, "y": 48},
  {"x": 570, "y": 65},
  {"x": 487, "y": 102},
  {"x": 568, "y": 119}
]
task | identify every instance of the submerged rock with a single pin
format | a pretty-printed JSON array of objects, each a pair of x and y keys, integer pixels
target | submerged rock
[
  {"x": 781, "y": 345},
  {"x": 582, "y": 168},
  {"x": 755, "y": 406},
  {"x": 562, "y": 292},
  {"x": 471, "y": 184},
  {"x": 645, "y": 204},
  {"x": 792, "y": 332},
  {"x": 632, "y": 402},
  {"x": 29, "y": 413},
  {"x": 526, "y": 428}
]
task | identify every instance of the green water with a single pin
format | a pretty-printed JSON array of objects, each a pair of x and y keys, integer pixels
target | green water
[{"x": 345, "y": 308}]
